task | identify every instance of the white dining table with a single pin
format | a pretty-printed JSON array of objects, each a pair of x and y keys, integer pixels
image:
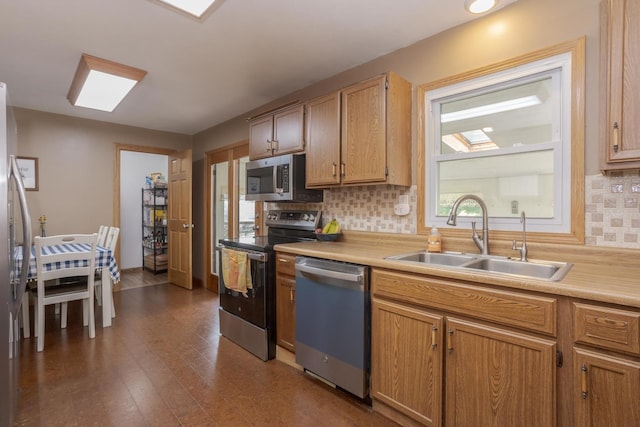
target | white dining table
[{"x": 105, "y": 262}]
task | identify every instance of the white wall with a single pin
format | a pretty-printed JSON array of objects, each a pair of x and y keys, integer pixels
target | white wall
[{"x": 134, "y": 167}]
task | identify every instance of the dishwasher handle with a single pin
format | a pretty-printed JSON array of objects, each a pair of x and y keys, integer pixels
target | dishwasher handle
[{"x": 319, "y": 274}]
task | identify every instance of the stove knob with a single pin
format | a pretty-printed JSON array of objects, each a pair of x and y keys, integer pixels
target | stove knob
[
  {"x": 312, "y": 217},
  {"x": 305, "y": 217}
]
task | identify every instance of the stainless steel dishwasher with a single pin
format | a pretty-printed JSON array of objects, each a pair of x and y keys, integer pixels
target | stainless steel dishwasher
[{"x": 333, "y": 322}]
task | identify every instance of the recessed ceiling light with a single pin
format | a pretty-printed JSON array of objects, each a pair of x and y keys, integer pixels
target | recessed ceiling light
[
  {"x": 101, "y": 84},
  {"x": 479, "y": 6},
  {"x": 193, "y": 7}
]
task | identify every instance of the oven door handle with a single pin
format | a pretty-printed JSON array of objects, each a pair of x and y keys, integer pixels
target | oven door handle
[
  {"x": 254, "y": 256},
  {"x": 257, "y": 256}
]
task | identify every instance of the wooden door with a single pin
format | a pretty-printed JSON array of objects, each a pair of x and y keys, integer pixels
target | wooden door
[
  {"x": 288, "y": 130},
  {"x": 620, "y": 53},
  {"x": 180, "y": 220},
  {"x": 260, "y": 137},
  {"x": 364, "y": 132},
  {"x": 406, "y": 361},
  {"x": 606, "y": 390},
  {"x": 322, "y": 129},
  {"x": 495, "y": 377}
]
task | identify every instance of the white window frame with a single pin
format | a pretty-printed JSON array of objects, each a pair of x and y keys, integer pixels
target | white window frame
[{"x": 560, "y": 222}]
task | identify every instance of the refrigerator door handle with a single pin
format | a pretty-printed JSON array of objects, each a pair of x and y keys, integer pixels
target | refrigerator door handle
[{"x": 26, "y": 222}]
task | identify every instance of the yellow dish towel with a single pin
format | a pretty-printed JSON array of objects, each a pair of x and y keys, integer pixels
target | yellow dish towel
[{"x": 236, "y": 271}]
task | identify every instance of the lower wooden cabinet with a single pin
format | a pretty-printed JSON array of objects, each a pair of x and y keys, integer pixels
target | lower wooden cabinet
[
  {"x": 606, "y": 378},
  {"x": 406, "y": 365},
  {"x": 436, "y": 368},
  {"x": 496, "y": 377},
  {"x": 606, "y": 390},
  {"x": 286, "y": 301}
]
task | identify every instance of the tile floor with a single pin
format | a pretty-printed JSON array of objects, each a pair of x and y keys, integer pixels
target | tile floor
[{"x": 163, "y": 363}]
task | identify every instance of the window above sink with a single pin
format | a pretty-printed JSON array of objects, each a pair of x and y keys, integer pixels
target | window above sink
[{"x": 512, "y": 134}]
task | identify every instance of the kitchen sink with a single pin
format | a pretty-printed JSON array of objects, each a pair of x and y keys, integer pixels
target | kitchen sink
[
  {"x": 437, "y": 258},
  {"x": 545, "y": 270}
]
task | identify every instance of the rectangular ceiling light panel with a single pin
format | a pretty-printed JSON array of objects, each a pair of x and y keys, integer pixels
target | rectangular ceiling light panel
[
  {"x": 101, "y": 84},
  {"x": 193, "y": 7}
]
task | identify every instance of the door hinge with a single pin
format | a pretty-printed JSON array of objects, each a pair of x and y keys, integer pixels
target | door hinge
[
  {"x": 386, "y": 84},
  {"x": 386, "y": 171},
  {"x": 559, "y": 359}
]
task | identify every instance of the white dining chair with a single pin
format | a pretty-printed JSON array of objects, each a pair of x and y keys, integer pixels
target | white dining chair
[
  {"x": 110, "y": 243},
  {"x": 67, "y": 264},
  {"x": 102, "y": 234}
]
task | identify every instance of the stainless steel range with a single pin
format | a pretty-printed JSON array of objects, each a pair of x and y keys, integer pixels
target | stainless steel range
[{"x": 248, "y": 316}]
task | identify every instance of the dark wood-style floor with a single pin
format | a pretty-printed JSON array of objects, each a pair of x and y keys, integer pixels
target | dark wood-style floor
[{"x": 163, "y": 363}]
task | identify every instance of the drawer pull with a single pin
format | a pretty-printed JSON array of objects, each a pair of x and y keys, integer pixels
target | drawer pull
[
  {"x": 434, "y": 336},
  {"x": 583, "y": 381}
]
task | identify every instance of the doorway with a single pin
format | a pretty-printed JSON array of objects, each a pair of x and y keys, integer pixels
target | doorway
[
  {"x": 129, "y": 248},
  {"x": 229, "y": 214}
]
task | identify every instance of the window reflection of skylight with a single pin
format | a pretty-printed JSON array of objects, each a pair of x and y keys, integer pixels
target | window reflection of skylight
[
  {"x": 475, "y": 136},
  {"x": 469, "y": 141},
  {"x": 193, "y": 7}
]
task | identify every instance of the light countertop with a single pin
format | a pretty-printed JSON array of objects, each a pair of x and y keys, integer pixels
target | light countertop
[{"x": 590, "y": 280}]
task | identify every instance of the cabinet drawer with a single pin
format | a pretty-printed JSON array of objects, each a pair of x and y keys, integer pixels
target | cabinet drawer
[
  {"x": 528, "y": 312},
  {"x": 607, "y": 327},
  {"x": 285, "y": 264}
]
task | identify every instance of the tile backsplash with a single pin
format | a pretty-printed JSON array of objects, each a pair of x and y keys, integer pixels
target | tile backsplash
[{"x": 612, "y": 209}]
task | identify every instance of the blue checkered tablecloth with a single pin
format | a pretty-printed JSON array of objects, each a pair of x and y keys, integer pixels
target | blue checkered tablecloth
[{"x": 104, "y": 259}]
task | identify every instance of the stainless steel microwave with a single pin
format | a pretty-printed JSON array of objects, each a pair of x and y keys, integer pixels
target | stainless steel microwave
[{"x": 280, "y": 179}]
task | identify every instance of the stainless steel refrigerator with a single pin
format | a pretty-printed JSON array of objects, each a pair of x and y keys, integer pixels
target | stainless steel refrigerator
[{"x": 15, "y": 230}]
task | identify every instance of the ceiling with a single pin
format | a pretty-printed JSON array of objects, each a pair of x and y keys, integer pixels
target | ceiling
[{"x": 243, "y": 55}]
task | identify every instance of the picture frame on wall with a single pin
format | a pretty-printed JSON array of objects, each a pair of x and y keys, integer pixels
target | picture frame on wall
[{"x": 28, "y": 167}]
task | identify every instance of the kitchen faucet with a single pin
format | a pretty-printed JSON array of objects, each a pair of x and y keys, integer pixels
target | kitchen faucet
[
  {"x": 482, "y": 244},
  {"x": 523, "y": 248}
]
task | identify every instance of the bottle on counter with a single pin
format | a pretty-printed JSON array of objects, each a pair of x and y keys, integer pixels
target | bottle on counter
[{"x": 434, "y": 241}]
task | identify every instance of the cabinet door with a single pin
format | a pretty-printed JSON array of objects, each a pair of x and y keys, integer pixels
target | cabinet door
[
  {"x": 322, "y": 127},
  {"x": 364, "y": 132},
  {"x": 606, "y": 390},
  {"x": 406, "y": 356},
  {"x": 286, "y": 311},
  {"x": 496, "y": 377},
  {"x": 620, "y": 51},
  {"x": 260, "y": 137},
  {"x": 288, "y": 131}
]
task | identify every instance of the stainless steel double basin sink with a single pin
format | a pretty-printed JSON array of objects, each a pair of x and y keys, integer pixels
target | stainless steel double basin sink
[{"x": 538, "y": 269}]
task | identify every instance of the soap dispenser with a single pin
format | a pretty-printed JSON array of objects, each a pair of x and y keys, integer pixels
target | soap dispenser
[{"x": 434, "y": 241}]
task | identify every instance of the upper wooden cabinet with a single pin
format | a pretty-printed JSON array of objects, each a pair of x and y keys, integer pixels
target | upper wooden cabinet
[
  {"x": 620, "y": 77},
  {"x": 361, "y": 135},
  {"x": 281, "y": 132},
  {"x": 322, "y": 127}
]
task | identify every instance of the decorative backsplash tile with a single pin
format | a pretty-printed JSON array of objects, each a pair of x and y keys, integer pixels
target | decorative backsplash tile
[
  {"x": 612, "y": 209},
  {"x": 365, "y": 208},
  {"x": 612, "y": 213}
]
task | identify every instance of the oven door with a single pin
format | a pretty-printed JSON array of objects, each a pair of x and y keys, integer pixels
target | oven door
[{"x": 252, "y": 305}]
